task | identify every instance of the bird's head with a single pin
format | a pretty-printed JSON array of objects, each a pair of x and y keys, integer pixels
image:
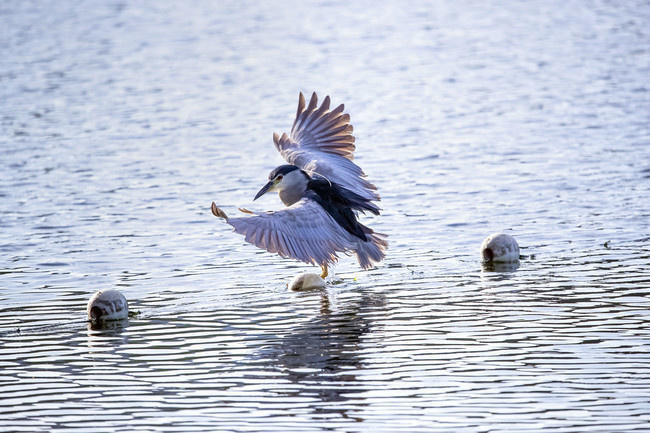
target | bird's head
[{"x": 288, "y": 179}]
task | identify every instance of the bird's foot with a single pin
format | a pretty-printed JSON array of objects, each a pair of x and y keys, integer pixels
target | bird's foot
[{"x": 324, "y": 274}]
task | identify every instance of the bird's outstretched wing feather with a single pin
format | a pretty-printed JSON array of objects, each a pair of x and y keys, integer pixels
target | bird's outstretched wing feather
[
  {"x": 303, "y": 231},
  {"x": 321, "y": 142}
]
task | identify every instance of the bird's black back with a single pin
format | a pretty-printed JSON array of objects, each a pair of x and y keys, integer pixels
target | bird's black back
[{"x": 341, "y": 203}]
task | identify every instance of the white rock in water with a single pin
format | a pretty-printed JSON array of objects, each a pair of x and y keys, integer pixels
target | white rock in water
[
  {"x": 306, "y": 282},
  {"x": 107, "y": 305},
  {"x": 499, "y": 248}
]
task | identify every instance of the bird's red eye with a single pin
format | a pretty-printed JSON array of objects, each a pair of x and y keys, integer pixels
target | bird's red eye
[{"x": 279, "y": 177}]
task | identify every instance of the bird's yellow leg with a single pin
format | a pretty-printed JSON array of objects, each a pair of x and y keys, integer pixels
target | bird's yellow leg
[{"x": 324, "y": 274}]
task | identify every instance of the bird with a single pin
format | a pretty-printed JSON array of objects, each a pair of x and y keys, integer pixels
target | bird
[{"x": 323, "y": 191}]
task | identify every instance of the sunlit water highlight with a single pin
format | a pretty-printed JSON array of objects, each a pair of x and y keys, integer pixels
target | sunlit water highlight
[{"x": 121, "y": 122}]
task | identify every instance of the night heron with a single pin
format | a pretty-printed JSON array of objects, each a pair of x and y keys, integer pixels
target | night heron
[{"x": 324, "y": 191}]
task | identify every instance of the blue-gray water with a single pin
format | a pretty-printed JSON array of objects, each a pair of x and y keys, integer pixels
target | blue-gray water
[{"x": 121, "y": 121}]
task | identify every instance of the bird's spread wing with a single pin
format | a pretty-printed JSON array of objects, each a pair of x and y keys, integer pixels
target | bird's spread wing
[
  {"x": 303, "y": 231},
  {"x": 321, "y": 142}
]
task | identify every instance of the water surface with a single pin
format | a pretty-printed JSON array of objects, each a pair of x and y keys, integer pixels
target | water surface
[{"x": 121, "y": 122}]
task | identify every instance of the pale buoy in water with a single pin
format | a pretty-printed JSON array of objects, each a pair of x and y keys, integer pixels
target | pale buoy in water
[
  {"x": 107, "y": 305},
  {"x": 306, "y": 282},
  {"x": 499, "y": 248}
]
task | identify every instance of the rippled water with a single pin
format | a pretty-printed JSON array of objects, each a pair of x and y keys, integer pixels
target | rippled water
[{"x": 122, "y": 121}]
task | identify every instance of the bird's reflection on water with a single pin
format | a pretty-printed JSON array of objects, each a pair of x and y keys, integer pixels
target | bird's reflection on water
[{"x": 322, "y": 356}]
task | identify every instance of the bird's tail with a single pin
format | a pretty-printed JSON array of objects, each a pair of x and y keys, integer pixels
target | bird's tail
[{"x": 373, "y": 250}]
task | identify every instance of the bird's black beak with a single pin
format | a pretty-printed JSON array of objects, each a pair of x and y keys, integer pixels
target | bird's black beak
[{"x": 266, "y": 188}]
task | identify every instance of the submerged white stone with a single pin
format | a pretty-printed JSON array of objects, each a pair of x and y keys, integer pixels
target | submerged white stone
[
  {"x": 107, "y": 305},
  {"x": 499, "y": 248},
  {"x": 306, "y": 281}
]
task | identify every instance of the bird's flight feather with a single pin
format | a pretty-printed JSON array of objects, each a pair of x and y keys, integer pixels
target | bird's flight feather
[
  {"x": 321, "y": 142},
  {"x": 303, "y": 231}
]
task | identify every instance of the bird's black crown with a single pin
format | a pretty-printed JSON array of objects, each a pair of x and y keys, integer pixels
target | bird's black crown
[{"x": 283, "y": 170}]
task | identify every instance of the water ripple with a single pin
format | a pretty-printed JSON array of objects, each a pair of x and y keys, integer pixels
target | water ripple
[{"x": 121, "y": 122}]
